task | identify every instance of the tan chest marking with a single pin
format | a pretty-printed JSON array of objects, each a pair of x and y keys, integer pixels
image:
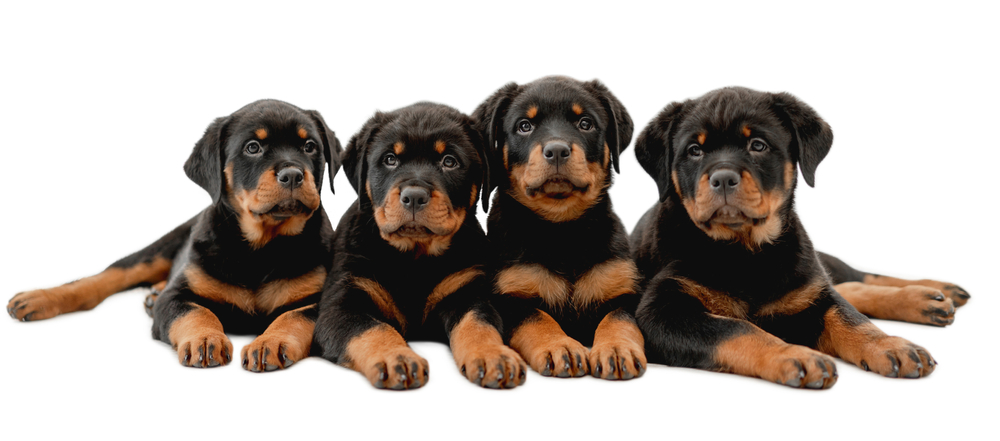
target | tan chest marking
[
  {"x": 448, "y": 286},
  {"x": 266, "y": 299},
  {"x": 603, "y": 282},
  {"x": 382, "y": 300},
  {"x": 796, "y": 301},
  {"x": 717, "y": 302}
]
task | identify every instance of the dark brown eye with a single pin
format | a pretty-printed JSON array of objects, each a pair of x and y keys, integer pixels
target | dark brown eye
[
  {"x": 694, "y": 150},
  {"x": 524, "y": 126},
  {"x": 309, "y": 147},
  {"x": 586, "y": 124},
  {"x": 390, "y": 160},
  {"x": 758, "y": 145},
  {"x": 449, "y": 162},
  {"x": 252, "y": 148}
]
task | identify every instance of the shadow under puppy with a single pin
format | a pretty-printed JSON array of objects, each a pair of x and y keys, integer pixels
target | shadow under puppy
[
  {"x": 253, "y": 262},
  {"x": 565, "y": 277},
  {"x": 730, "y": 279},
  {"x": 411, "y": 257}
]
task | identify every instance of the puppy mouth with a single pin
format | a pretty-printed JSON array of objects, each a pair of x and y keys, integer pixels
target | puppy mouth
[
  {"x": 732, "y": 217},
  {"x": 557, "y": 187},
  {"x": 415, "y": 230},
  {"x": 284, "y": 210}
]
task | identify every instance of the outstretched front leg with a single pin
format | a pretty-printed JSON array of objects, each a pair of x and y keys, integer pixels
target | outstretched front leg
[
  {"x": 680, "y": 331},
  {"x": 849, "y": 335},
  {"x": 360, "y": 327}
]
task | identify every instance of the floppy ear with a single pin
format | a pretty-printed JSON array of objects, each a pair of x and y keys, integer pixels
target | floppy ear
[
  {"x": 654, "y": 149},
  {"x": 469, "y": 126},
  {"x": 331, "y": 146},
  {"x": 488, "y": 119},
  {"x": 813, "y": 136},
  {"x": 353, "y": 158},
  {"x": 619, "y": 132},
  {"x": 207, "y": 160}
]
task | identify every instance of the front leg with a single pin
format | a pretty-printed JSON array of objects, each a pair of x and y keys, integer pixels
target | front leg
[
  {"x": 353, "y": 330},
  {"x": 191, "y": 329},
  {"x": 547, "y": 348},
  {"x": 618, "y": 352},
  {"x": 285, "y": 341},
  {"x": 680, "y": 331},
  {"x": 848, "y": 334},
  {"x": 473, "y": 328}
]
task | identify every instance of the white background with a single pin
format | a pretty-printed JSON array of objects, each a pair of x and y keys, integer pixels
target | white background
[{"x": 100, "y": 105}]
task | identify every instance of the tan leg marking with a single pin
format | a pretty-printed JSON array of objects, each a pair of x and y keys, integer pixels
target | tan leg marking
[
  {"x": 533, "y": 280},
  {"x": 762, "y": 355},
  {"x": 383, "y": 357},
  {"x": 958, "y": 295},
  {"x": 286, "y": 341},
  {"x": 85, "y": 293},
  {"x": 868, "y": 347},
  {"x": 199, "y": 339},
  {"x": 482, "y": 357},
  {"x": 448, "y": 286},
  {"x": 619, "y": 349},
  {"x": 548, "y": 350}
]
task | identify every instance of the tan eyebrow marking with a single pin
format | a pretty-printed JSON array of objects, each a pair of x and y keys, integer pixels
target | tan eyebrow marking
[{"x": 261, "y": 133}]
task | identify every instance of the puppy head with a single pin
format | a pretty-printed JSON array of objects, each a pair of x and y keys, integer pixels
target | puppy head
[
  {"x": 556, "y": 140},
  {"x": 265, "y": 162},
  {"x": 419, "y": 170},
  {"x": 729, "y": 158}
]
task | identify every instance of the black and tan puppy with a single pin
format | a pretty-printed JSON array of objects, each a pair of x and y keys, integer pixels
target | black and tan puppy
[
  {"x": 411, "y": 257},
  {"x": 253, "y": 262},
  {"x": 730, "y": 279},
  {"x": 565, "y": 277}
]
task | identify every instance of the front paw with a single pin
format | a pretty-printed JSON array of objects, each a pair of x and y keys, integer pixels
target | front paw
[
  {"x": 617, "y": 360},
  {"x": 39, "y": 304},
  {"x": 493, "y": 367},
  {"x": 268, "y": 353},
  {"x": 954, "y": 292},
  {"x": 799, "y": 366},
  {"x": 896, "y": 357},
  {"x": 562, "y": 357},
  {"x": 397, "y": 369},
  {"x": 209, "y": 349}
]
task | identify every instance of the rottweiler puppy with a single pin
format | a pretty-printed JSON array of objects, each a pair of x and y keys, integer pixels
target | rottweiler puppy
[
  {"x": 253, "y": 262},
  {"x": 565, "y": 278},
  {"x": 410, "y": 256},
  {"x": 730, "y": 279}
]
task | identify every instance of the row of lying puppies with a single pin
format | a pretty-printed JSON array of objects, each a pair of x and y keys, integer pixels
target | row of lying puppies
[{"x": 718, "y": 275}]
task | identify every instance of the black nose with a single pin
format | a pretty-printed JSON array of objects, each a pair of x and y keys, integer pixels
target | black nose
[
  {"x": 290, "y": 177},
  {"x": 724, "y": 181},
  {"x": 414, "y": 198},
  {"x": 556, "y": 152}
]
